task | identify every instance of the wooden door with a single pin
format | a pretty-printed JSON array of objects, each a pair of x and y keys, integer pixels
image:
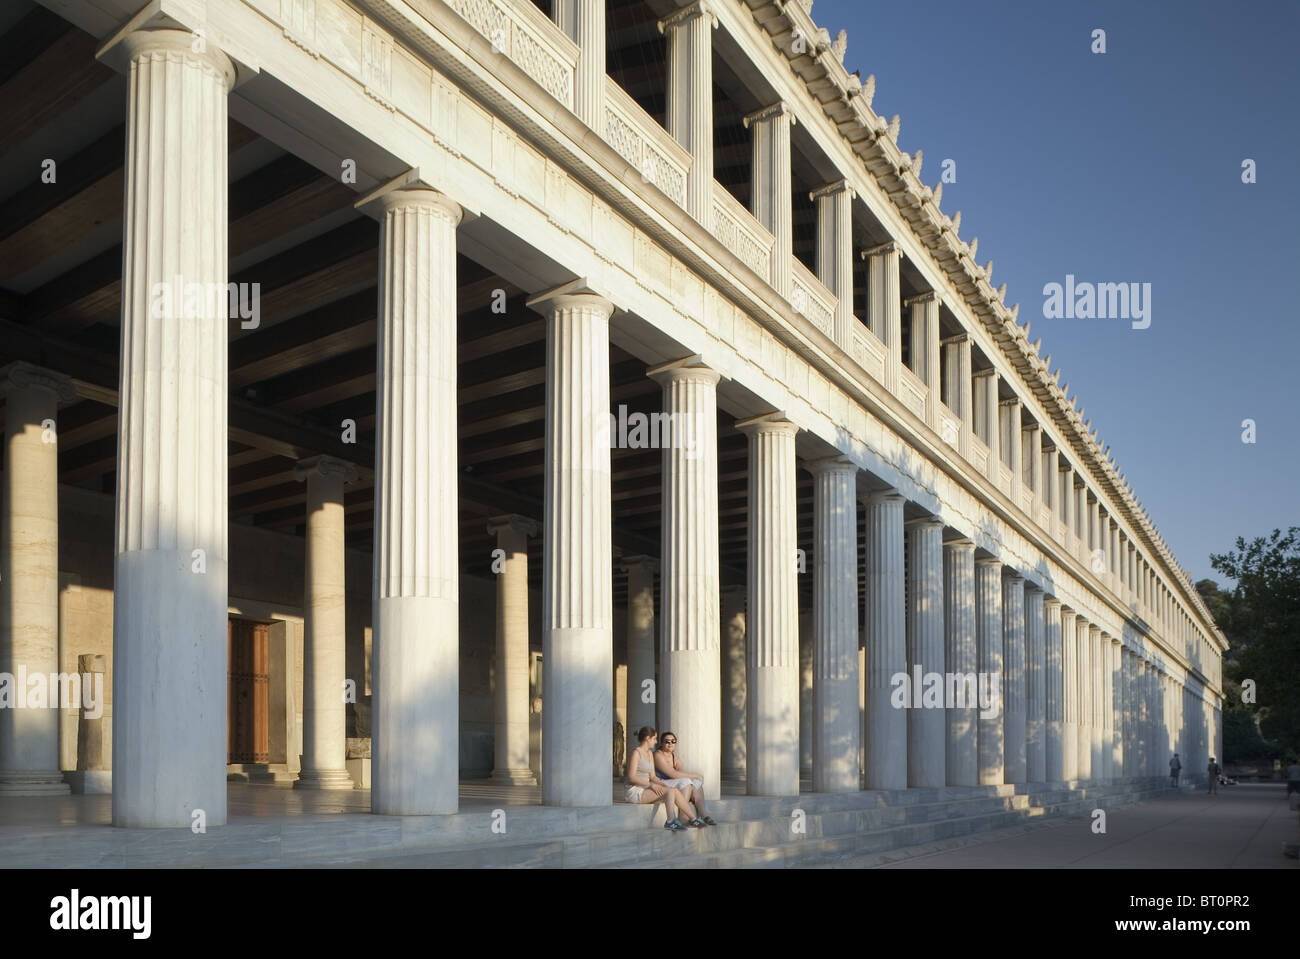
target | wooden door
[{"x": 248, "y": 738}]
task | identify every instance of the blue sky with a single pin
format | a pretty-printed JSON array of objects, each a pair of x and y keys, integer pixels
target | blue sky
[{"x": 1126, "y": 167}]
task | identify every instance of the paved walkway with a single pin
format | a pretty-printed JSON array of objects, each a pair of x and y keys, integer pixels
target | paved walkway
[{"x": 1242, "y": 827}]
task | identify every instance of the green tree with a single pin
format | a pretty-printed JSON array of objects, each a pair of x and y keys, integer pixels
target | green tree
[{"x": 1262, "y": 621}]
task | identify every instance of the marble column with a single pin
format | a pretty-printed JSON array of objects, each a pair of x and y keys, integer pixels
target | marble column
[
  {"x": 926, "y": 721},
  {"x": 988, "y": 631},
  {"x": 416, "y": 642},
  {"x": 961, "y": 654},
  {"x": 1010, "y": 438},
  {"x": 1084, "y": 679},
  {"x": 770, "y": 185},
  {"x": 884, "y": 306},
  {"x": 690, "y": 627},
  {"x": 510, "y": 693},
  {"x": 835, "y": 252},
  {"x": 1053, "y": 688},
  {"x": 583, "y": 21},
  {"x": 1015, "y": 712},
  {"x": 1069, "y": 696},
  {"x": 886, "y": 732},
  {"x": 1035, "y": 676},
  {"x": 735, "y": 687},
  {"x": 1066, "y": 487},
  {"x": 577, "y": 550},
  {"x": 324, "y": 628},
  {"x": 986, "y": 399},
  {"x": 170, "y": 572},
  {"x": 642, "y": 682},
  {"x": 772, "y": 767},
  {"x": 1035, "y": 457},
  {"x": 689, "y": 107},
  {"x": 1097, "y": 691},
  {"x": 1117, "y": 708},
  {"x": 835, "y": 721},
  {"x": 957, "y": 389},
  {"x": 29, "y": 577},
  {"x": 925, "y": 350}
]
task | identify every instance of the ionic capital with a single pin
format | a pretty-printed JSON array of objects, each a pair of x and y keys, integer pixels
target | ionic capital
[
  {"x": 688, "y": 13},
  {"x": 775, "y": 111},
  {"x": 20, "y": 375},
  {"x": 328, "y": 467},
  {"x": 512, "y": 523}
]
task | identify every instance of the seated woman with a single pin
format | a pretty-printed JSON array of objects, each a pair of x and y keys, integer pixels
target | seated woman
[
  {"x": 689, "y": 784},
  {"x": 643, "y": 787}
]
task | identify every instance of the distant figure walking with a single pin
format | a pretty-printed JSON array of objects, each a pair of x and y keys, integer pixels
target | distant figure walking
[
  {"x": 1213, "y": 770},
  {"x": 1175, "y": 767},
  {"x": 1293, "y": 777}
]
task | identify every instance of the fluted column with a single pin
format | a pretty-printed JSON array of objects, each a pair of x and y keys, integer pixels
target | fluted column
[
  {"x": 1104, "y": 712},
  {"x": 324, "y": 628},
  {"x": 1035, "y": 457},
  {"x": 510, "y": 702},
  {"x": 583, "y": 21},
  {"x": 1035, "y": 677},
  {"x": 961, "y": 655},
  {"x": 988, "y": 630},
  {"x": 1117, "y": 708},
  {"x": 835, "y": 252},
  {"x": 1097, "y": 694},
  {"x": 1084, "y": 679},
  {"x": 691, "y": 623},
  {"x": 957, "y": 388},
  {"x": 773, "y": 621},
  {"x": 770, "y": 183},
  {"x": 1066, "y": 486},
  {"x": 641, "y": 699},
  {"x": 986, "y": 398},
  {"x": 735, "y": 687},
  {"x": 1053, "y": 688},
  {"x": 884, "y": 306},
  {"x": 689, "y": 107},
  {"x": 1016, "y": 708},
  {"x": 169, "y": 600},
  {"x": 416, "y": 642},
  {"x": 835, "y": 722},
  {"x": 1010, "y": 438},
  {"x": 925, "y": 350},
  {"x": 886, "y": 732},
  {"x": 1069, "y": 695},
  {"x": 29, "y": 577},
  {"x": 926, "y": 723},
  {"x": 577, "y": 550}
]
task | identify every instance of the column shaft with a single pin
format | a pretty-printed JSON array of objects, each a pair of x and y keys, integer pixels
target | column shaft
[
  {"x": 584, "y": 23},
  {"x": 577, "y": 550},
  {"x": 510, "y": 704},
  {"x": 1036, "y": 694},
  {"x": 416, "y": 642},
  {"x": 926, "y": 722},
  {"x": 836, "y": 724},
  {"x": 886, "y": 732},
  {"x": 770, "y": 177},
  {"x": 1054, "y": 699},
  {"x": 691, "y": 622},
  {"x": 1084, "y": 679},
  {"x": 961, "y": 655},
  {"x": 689, "y": 108},
  {"x": 988, "y": 627},
  {"x": 642, "y": 682},
  {"x": 885, "y": 307},
  {"x": 29, "y": 580},
  {"x": 1069, "y": 696},
  {"x": 1016, "y": 708},
  {"x": 324, "y": 643},
  {"x": 773, "y": 621},
  {"x": 735, "y": 688},
  {"x": 169, "y": 599},
  {"x": 835, "y": 252}
]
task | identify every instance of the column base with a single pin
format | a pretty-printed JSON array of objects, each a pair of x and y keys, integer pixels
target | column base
[
  {"x": 514, "y": 777},
  {"x": 323, "y": 779},
  {"x": 42, "y": 782}
]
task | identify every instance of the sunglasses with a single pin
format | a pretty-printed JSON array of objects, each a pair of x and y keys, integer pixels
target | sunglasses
[{"x": 670, "y": 742}]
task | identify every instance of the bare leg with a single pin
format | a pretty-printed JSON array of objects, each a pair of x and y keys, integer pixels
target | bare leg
[{"x": 697, "y": 797}]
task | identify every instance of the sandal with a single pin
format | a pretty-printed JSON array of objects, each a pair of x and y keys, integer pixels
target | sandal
[{"x": 708, "y": 821}]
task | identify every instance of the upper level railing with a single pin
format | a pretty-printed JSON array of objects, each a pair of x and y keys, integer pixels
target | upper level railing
[
  {"x": 738, "y": 230},
  {"x": 646, "y": 145},
  {"x": 529, "y": 38},
  {"x": 912, "y": 391},
  {"x": 811, "y": 298}
]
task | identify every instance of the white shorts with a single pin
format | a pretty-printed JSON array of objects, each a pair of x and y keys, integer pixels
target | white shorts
[{"x": 683, "y": 784}]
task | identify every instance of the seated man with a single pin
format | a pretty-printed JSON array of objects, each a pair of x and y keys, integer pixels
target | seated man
[{"x": 689, "y": 784}]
